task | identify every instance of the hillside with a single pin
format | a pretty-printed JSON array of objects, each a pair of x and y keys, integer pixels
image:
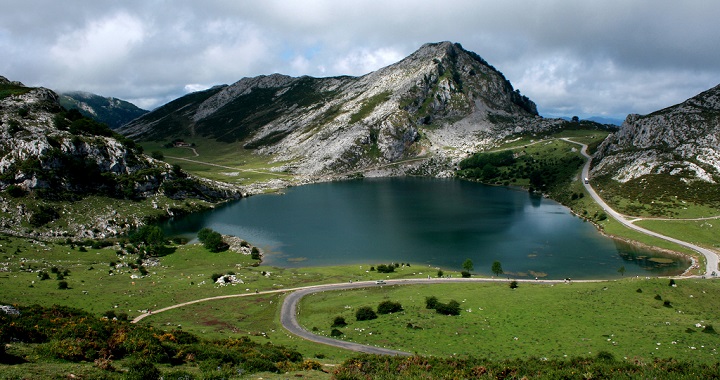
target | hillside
[
  {"x": 660, "y": 164},
  {"x": 50, "y": 156},
  {"x": 442, "y": 101},
  {"x": 682, "y": 140},
  {"x": 111, "y": 111}
]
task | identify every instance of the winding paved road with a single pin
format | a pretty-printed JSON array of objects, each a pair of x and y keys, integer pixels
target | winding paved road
[
  {"x": 289, "y": 309},
  {"x": 710, "y": 256}
]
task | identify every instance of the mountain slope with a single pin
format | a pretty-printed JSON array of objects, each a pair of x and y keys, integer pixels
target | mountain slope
[
  {"x": 442, "y": 101},
  {"x": 49, "y": 155},
  {"x": 111, "y": 111},
  {"x": 682, "y": 141}
]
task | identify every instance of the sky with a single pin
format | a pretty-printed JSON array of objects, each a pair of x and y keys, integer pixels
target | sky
[{"x": 571, "y": 57}]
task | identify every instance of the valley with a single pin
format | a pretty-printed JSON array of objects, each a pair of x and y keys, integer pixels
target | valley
[{"x": 76, "y": 195}]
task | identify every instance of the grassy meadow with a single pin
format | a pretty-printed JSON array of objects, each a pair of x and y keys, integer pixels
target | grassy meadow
[
  {"x": 226, "y": 162},
  {"x": 633, "y": 319}
]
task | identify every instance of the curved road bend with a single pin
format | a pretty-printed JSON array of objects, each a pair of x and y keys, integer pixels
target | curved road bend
[
  {"x": 288, "y": 311},
  {"x": 710, "y": 256}
]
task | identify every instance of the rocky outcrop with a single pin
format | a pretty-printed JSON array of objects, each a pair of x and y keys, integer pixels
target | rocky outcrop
[
  {"x": 49, "y": 155},
  {"x": 442, "y": 102},
  {"x": 682, "y": 140}
]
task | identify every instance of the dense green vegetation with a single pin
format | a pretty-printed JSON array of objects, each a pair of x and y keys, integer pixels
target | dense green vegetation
[
  {"x": 661, "y": 195},
  {"x": 115, "y": 346},
  {"x": 542, "y": 172},
  {"x": 9, "y": 89},
  {"x": 601, "y": 366}
]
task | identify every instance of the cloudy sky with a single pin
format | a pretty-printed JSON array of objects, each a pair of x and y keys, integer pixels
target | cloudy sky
[{"x": 572, "y": 57}]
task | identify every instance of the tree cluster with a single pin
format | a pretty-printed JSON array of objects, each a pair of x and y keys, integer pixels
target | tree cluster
[
  {"x": 212, "y": 240},
  {"x": 450, "y": 308}
]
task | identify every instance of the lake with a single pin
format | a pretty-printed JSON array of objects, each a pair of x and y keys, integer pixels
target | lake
[{"x": 426, "y": 222}]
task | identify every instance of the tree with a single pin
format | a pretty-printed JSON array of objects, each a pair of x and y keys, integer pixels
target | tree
[
  {"x": 365, "y": 313},
  {"x": 212, "y": 240},
  {"x": 497, "y": 268},
  {"x": 440, "y": 273},
  {"x": 513, "y": 284},
  {"x": 621, "y": 270},
  {"x": 468, "y": 265}
]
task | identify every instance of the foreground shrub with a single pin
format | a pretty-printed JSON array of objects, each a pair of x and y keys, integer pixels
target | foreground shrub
[
  {"x": 604, "y": 366},
  {"x": 365, "y": 313},
  {"x": 387, "y": 307},
  {"x": 339, "y": 322}
]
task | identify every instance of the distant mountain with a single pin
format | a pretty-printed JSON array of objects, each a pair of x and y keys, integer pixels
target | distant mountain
[
  {"x": 599, "y": 120},
  {"x": 111, "y": 111},
  {"x": 606, "y": 120},
  {"x": 682, "y": 141},
  {"x": 442, "y": 102}
]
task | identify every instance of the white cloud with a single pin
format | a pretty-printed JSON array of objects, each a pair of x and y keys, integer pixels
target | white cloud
[
  {"x": 570, "y": 57},
  {"x": 99, "y": 44}
]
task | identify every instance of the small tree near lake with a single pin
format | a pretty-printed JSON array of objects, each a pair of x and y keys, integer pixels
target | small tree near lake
[
  {"x": 497, "y": 268},
  {"x": 468, "y": 265}
]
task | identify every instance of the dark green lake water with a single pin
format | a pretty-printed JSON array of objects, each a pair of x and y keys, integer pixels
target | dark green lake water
[{"x": 426, "y": 222}]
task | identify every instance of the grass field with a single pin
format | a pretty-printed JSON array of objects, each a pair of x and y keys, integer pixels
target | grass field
[
  {"x": 546, "y": 321},
  {"x": 236, "y": 164}
]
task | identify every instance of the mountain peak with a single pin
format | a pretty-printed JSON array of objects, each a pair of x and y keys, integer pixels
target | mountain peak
[{"x": 440, "y": 96}]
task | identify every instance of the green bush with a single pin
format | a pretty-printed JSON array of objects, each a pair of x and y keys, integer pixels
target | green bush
[
  {"x": 365, "y": 313},
  {"x": 382, "y": 268},
  {"x": 431, "y": 302},
  {"x": 142, "y": 370},
  {"x": 387, "y": 307},
  {"x": 336, "y": 332},
  {"x": 339, "y": 322}
]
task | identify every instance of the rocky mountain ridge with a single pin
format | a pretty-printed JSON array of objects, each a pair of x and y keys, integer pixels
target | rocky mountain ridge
[
  {"x": 111, "y": 111},
  {"x": 441, "y": 102},
  {"x": 49, "y": 154},
  {"x": 682, "y": 140}
]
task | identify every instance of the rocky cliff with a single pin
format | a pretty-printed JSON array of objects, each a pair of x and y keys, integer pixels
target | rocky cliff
[
  {"x": 441, "y": 102},
  {"x": 50, "y": 155},
  {"x": 682, "y": 141}
]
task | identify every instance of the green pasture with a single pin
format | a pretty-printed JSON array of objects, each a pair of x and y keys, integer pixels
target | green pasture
[
  {"x": 544, "y": 321},
  {"x": 702, "y": 232},
  {"x": 236, "y": 164}
]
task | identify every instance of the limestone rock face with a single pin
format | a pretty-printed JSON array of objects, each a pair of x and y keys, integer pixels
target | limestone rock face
[
  {"x": 440, "y": 102},
  {"x": 40, "y": 149},
  {"x": 682, "y": 140}
]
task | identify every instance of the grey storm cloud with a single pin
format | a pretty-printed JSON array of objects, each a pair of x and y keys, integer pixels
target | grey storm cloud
[{"x": 572, "y": 57}]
